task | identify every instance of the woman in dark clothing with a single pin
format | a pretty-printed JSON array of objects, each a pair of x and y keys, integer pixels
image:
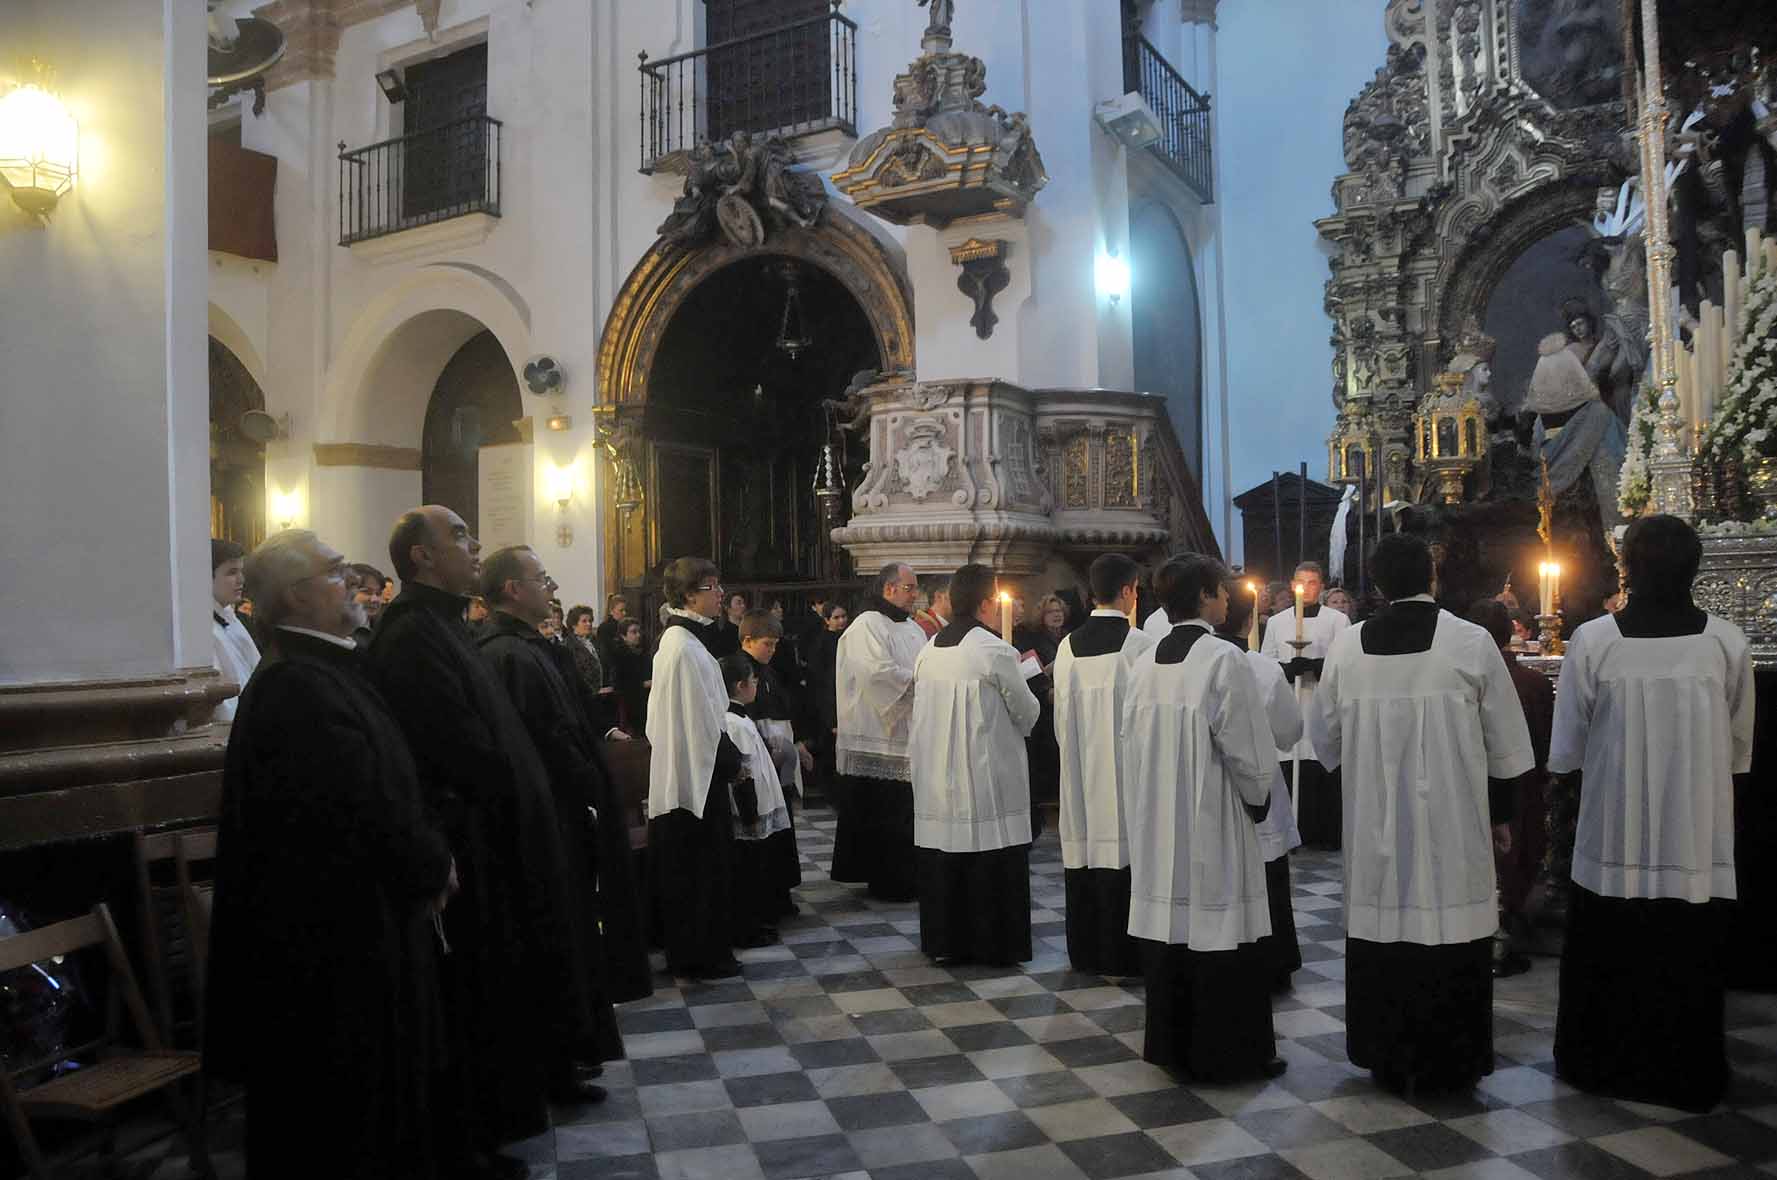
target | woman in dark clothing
[
  {"x": 632, "y": 674},
  {"x": 1044, "y": 640}
]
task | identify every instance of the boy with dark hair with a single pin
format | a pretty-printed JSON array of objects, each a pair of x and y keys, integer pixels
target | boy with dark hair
[
  {"x": 232, "y": 650},
  {"x": 761, "y": 813},
  {"x": 1199, "y": 756}
]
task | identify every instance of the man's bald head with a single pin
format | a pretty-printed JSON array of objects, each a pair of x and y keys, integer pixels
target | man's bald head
[{"x": 432, "y": 545}]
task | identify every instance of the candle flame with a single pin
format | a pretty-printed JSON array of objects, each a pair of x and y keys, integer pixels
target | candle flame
[
  {"x": 1252, "y": 587},
  {"x": 1005, "y": 597},
  {"x": 1299, "y": 588}
]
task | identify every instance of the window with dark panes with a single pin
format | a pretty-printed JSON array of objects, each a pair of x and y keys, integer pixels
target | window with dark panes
[
  {"x": 445, "y": 158},
  {"x": 770, "y": 64}
]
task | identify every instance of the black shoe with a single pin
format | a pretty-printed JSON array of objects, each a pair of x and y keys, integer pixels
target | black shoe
[
  {"x": 726, "y": 970},
  {"x": 1273, "y": 1068},
  {"x": 757, "y": 939},
  {"x": 577, "y": 1091}
]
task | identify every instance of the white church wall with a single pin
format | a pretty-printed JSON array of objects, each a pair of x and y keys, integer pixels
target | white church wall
[
  {"x": 103, "y": 404},
  {"x": 1287, "y": 70}
]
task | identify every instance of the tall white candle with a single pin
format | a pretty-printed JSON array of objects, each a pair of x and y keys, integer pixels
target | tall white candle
[
  {"x": 1755, "y": 251},
  {"x": 1708, "y": 357},
  {"x": 1005, "y": 616},
  {"x": 1252, "y": 639},
  {"x": 1734, "y": 284},
  {"x": 1299, "y": 593}
]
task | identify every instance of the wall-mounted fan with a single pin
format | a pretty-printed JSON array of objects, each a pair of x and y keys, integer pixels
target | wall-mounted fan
[{"x": 543, "y": 376}]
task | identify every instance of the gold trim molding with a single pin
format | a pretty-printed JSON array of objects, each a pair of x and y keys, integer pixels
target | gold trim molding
[{"x": 367, "y": 455}]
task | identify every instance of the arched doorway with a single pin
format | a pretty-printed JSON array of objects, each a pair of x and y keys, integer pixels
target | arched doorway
[
  {"x": 844, "y": 267},
  {"x": 237, "y": 462},
  {"x": 475, "y": 403},
  {"x": 1166, "y": 323},
  {"x": 734, "y": 423}
]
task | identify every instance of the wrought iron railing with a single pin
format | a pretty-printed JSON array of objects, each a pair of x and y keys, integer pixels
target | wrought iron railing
[
  {"x": 1183, "y": 114},
  {"x": 793, "y": 80},
  {"x": 433, "y": 175}
]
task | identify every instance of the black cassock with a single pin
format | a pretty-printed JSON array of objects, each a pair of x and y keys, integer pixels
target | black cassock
[
  {"x": 323, "y": 988},
  {"x": 691, "y": 861},
  {"x": 783, "y": 864},
  {"x": 534, "y": 672},
  {"x": 515, "y": 987},
  {"x": 1419, "y": 1016}
]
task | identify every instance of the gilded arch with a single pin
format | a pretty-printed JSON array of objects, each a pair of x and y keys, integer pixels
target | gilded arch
[
  {"x": 660, "y": 283},
  {"x": 667, "y": 273}
]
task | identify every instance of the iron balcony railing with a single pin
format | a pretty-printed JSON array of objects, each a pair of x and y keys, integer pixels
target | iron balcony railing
[
  {"x": 794, "y": 80},
  {"x": 433, "y": 175},
  {"x": 1183, "y": 114}
]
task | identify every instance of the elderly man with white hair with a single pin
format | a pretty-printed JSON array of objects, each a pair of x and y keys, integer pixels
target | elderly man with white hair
[{"x": 329, "y": 873}]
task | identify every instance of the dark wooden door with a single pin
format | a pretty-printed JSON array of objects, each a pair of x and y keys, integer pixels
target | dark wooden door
[
  {"x": 445, "y": 155},
  {"x": 774, "y": 67}
]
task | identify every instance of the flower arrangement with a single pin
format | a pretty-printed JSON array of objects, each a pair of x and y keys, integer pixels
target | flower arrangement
[
  {"x": 1745, "y": 424},
  {"x": 1633, "y": 487}
]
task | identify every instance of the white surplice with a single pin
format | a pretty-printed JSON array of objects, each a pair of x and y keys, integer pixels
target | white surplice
[
  {"x": 1196, "y": 748},
  {"x": 686, "y": 711},
  {"x": 1418, "y": 736},
  {"x": 1157, "y": 626},
  {"x": 972, "y": 711},
  {"x": 232, "y": 653},
  {"x": 1660, "y": 726},
  {"x": 1089, "y": 692},
  {"x": 873, "y": 678},
  {"x": 1319, "y": 632},
  {"x": 1283, "y": 717},
  {"x": 768, "y": 791}
]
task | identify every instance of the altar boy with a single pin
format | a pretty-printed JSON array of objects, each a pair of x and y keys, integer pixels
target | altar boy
[
  {"x": 1200, "y": 769},
  {"x": 1091, "y": 681},
  {"x": 1319, "y": 809},
  {"x": 972, "y": 711}
]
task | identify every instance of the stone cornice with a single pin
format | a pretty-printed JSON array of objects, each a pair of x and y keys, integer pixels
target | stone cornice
[
  {"x": 312, "y": 28},
  {"x": 349, "y": 454}
]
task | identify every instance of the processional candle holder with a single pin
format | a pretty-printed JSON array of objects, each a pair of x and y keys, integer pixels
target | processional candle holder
[{"x": 616, "y": 438}]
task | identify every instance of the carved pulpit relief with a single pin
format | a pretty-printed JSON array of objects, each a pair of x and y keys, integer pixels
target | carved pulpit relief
[{"x": 924, "y": 462}]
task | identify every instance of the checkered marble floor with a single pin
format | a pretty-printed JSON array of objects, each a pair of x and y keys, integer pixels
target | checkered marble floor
[{"x": 844, "y": 1053}]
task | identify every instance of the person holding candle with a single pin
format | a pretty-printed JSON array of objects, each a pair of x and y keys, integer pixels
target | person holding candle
[
  {"x": 1655, "y": 704},
  {"x": 1090, "y": 681},
  {"x": 1417, "y": 706},
  {"x": 1199, "y": 763},
  {"x": 873, "y": 673},
  {"x": 1316, "y": 791},
  {"x": 1277, "y": 830},
  {"x": 972, "y": 711}
]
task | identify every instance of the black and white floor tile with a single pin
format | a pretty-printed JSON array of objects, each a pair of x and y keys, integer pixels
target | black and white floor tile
[{"x": 844, "y": 1053}]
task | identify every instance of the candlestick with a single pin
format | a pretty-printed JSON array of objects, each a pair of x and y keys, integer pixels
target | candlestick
[
  {"x": 1252, "y": 637},
  {"x": 1005, "y": 616},
  {"x": 1299, "y": 592}
]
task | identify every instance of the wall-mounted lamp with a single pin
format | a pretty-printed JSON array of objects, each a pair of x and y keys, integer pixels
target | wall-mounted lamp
[
  {"x": 286, "y": 508},
  {"x": 39, "y": 147},
  {"x": 1111, "y": 275},
  {"x": 394, "y": 89},
  {"x": 558, "y": 485}
]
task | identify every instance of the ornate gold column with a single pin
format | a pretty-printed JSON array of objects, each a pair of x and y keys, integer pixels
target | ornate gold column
[{"x": 1670, "y": 476}]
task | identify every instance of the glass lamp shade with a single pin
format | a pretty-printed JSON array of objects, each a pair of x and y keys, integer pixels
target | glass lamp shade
[{"x": 39, "y": 148}]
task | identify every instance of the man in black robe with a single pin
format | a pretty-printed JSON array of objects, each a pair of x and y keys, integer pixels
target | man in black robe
[
  {"x": 539, "y": 677},
  {"x": 322, "y": 988},
  {"x": 515, "y": 982}
]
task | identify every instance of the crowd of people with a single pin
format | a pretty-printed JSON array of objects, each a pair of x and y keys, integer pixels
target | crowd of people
[{"x": 427, "y": 900}]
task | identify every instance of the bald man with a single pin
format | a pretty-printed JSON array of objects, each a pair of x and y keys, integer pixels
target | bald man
[{"x": 515, "y": 983}]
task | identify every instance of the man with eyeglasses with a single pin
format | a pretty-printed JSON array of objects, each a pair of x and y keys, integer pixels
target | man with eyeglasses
[
  {"x": 692, "y": 769},
  {"x": 330, "y": 871},
  {"x": 516, "y": 980},
  {"x": 540, "y": 677},
  {"x": 874, "y": 795}
]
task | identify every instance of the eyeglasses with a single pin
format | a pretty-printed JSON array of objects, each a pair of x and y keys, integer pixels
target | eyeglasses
[
  {"x": 544, "y": 580},
  {"x": 336, "y": 571},
  {"x": 709, "y": 589}
]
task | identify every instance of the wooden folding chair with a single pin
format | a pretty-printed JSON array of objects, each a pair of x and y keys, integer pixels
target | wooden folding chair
[
  {"x": 94, "y": 1094},
  {"x": 173, "y": 977},
  {"x": 196, "y": 896}
]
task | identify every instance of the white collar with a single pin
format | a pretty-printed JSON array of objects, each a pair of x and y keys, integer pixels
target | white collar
[
  {"x": 1204, "y": 623},
  {"x": 1105, "y": 612},
  {"x": 689, "y": 614},
  {"x": 226, "y": 611},
  {"x": 1413, "y": 598},
  {"x": 335, "y": 640}
]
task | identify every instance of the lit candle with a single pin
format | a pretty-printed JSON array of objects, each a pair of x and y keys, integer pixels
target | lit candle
[
  {"x": 1005, "y": 616},
  {"x": 1299, "y": 592},
  {"x": 1554, "y": 586},
  {"x": 1542, "y": 587},
  {"x": 1252, "y": 638}
]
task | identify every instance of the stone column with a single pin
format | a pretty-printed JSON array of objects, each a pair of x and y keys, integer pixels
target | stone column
[{"x": 105, "y": 679}]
